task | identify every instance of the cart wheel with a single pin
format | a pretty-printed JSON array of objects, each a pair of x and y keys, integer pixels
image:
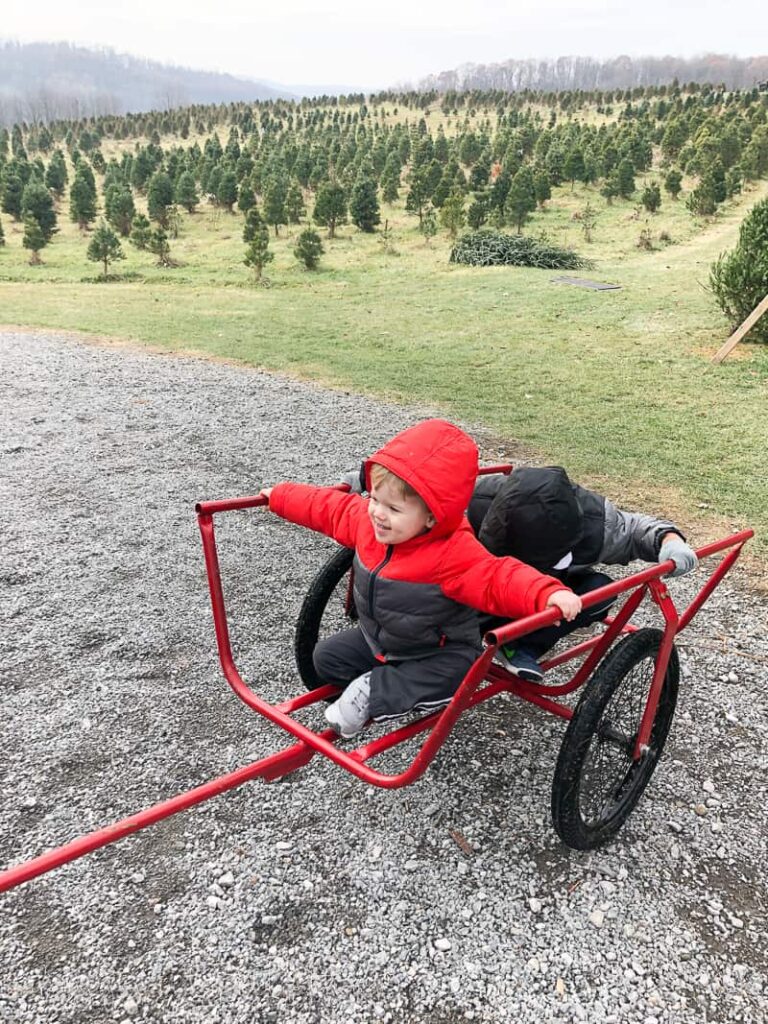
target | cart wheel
[
  {"x": 327, "y": 608},
  {"x": 596, "y": 783}
]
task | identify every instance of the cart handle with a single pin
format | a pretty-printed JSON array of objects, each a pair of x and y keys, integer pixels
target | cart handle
[
  {"x": 209, "y": 508},
  {"x": 513, "y": 630}
]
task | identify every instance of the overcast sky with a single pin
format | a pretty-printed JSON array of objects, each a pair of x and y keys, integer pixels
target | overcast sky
[{"x": 376, "y": 44}]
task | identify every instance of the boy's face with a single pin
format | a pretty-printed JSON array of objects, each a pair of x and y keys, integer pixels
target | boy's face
[{"x": 396, "y": 519}]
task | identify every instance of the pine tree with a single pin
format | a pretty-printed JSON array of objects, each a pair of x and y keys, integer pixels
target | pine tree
[
  {"x": 428, "y": 226},
  {"x": 158, "y": 244},
  {"x": 254, "y": 223},
  {"x": 651, "y": 197},
  {"x": 739, "y": 278},
  {"x": 309, "y": 248},
  {"x": 141, "y": 231},
  {"x": 542, "y": 187},
  {"x": 186, "y": 193},
  {"x": 11, "y": 194},
  {"x": 419, "y": 193},
  {"x": 275, "y": 192},
  {"x": 56, "y": 175},
  {"x": 295, "y": 210},
  {"x": 257, "y": 254},
  {"x": 246, "y": 198},
  {"x": 364, "y": 205},
  {"x": 477, "y": 214},
  {"x": 521, "y": 199},
  {"x": 226, "y": 191},
  {"x": 574, "y": 168},
  {"x": 37, "y": 202},
  {"x": 452, "y": 215},
  {"x": 82, "y": 199},
  {"x": 119, "y": 208},
  {"x": 625, "y": 180},
  {"x": 104, "y": 247},
  {"x": 33, "y": 239},
  {"x": 159, "y": 197},
  {"x": 330, "y": 207},
  {"x": 390, "y": 179},
  {"x": 673, "y": 182},
  {"x": 2, "y": 235}
]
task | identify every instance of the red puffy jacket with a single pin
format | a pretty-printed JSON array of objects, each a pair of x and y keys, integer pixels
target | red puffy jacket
[{"x": 417, "y": 596}]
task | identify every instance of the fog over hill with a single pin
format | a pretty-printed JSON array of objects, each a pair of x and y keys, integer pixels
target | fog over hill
[{"x": 44, "y": 81}]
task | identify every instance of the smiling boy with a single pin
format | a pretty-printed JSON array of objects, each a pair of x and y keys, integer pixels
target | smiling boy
[{"x": 419, "y": 573}]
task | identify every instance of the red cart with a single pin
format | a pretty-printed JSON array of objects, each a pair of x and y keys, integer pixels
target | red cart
[{"x": 616, "y": 730}]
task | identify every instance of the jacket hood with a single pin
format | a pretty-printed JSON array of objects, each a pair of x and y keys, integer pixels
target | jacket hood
[
  {"x": 439, "y": 461},
  {"x": 535, "y": 517}
]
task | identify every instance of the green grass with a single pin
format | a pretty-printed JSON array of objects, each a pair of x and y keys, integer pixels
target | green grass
[{"x": 617, "y": 386}]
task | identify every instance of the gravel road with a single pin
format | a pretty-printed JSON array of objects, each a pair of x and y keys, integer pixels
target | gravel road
[{"x": 315, "y": 899}]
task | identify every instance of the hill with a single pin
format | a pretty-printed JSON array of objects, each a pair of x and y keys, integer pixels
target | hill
[{"x": 46, "y": 81}]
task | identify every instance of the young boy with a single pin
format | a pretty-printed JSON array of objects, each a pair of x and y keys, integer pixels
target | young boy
[{"x": 419, "y": 573}]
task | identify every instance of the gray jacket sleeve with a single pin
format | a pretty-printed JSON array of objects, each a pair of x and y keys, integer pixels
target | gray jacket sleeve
[{"x": 631, "y": 535}]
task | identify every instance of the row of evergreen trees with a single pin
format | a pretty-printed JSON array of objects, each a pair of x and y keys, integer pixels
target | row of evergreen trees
[{"x": 347, "y": 162}]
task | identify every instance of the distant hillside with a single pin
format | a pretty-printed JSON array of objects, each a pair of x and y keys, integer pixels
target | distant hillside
[
  {"x": 588, "y": 73},
  {"x": 44, "y": 81}
]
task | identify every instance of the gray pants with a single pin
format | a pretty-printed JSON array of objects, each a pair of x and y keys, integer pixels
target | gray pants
[{"x": 397, "y": 687}]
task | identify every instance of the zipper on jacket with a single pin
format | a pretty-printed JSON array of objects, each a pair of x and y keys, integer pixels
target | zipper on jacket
[{"x": 374, "y": 574}]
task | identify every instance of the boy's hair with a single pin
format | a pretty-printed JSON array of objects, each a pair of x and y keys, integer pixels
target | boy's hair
[{"x": 380, "y": 475}]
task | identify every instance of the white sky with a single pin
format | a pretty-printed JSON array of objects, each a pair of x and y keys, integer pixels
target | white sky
[{"x": 389, "y": 41}]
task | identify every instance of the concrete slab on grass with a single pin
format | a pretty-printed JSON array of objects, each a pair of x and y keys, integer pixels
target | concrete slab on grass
[{"x": 583, "y": 282}]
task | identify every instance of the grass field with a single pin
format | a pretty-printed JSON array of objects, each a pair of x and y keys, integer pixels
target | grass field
[{"x": 617, "y": 386}]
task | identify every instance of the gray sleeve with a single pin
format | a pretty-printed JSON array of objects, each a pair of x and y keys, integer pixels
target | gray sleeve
[
  {"x": 631, "y": 535},
  {"x": 353, "y": 479}
]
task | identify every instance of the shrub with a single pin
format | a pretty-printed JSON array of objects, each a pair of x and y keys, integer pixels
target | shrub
[
  {"x": 309, "y": 249},
  {"x": 492, "y": 248},
  {"x": 739, "y": 278}
]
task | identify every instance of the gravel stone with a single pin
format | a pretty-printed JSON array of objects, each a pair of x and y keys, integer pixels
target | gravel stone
[{"x": 106, "y": 619}]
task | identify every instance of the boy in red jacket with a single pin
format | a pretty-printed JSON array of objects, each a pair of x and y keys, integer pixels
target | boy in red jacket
[{"x": 419, "y": 573}]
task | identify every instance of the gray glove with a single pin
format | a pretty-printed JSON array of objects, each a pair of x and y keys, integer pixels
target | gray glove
[{"x": 681, "y": 554}]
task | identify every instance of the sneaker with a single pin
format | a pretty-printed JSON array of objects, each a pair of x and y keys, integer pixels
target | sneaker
[
  {"x": 348, "y": 715},
  {"x": 520, "y": 663}
]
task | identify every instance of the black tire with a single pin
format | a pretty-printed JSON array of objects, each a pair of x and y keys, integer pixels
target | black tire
[
  {"x": 323, "y": 612},
  {"x": 596, "y": 783}
]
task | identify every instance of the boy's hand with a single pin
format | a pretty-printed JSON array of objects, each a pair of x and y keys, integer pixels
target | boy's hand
[
  {"x": 568, "y": 603},
  {"x": 674, "y": 547},
  {"x": 265, "y": 493}
]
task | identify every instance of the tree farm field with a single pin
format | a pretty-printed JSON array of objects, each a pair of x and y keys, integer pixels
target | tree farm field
[{"x": 616, "y": 386}]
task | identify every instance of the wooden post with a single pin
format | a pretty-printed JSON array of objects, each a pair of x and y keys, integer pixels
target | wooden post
[{"x": 739, "y": 333}]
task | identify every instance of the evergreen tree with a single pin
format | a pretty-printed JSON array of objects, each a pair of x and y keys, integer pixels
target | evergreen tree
[
  {"x": 56, "y": 175},
  {"x": 2, "y": 235},
  {"x": 703, "y": 199},
  {"x": 309, "y": 249},
  {"x": 104, "y": 247},
  {"x": 257, "y": 254},
  {"x": 419, "y": 193},
  {"x": 11, "y": 196},
  {"x": 390, "y": 179},
  {"x": 33, "y": 239},
  {"x": 254, "y": 223},
  {"x": 521, "y": 199},
  {"x": 295, "y": 210},
  {"x": 275, "y": 192},
  {"x": 452, "y": 215},
  {"x": 651, "y": 197},
  {"x": 574, "y": 168},
  {"x": 542, "y": 187},
  {"x": 364, "y": 204},
  {"x": 673, "y": 182},
  {"x": 37, "y": 202},
  {"x": 141, "y": 230},
  {"x": 330, "y": 207},
  {"x": 246, "y": 198},
  {"x": 159, "y": 197},
  {"x": 625, "y": 180},
  {"x": 82, "y": 199},
  {"x": 739, "y": 278},
  {"x": 158, "y": 244},
  {"x": 186, "y": 193},
  {"x": 119, "y": 208},
  {"x": 477, "y": 214},
  {"x": 226, "y": 191},
  {"x": 428, "y": 225},
  {"x": 610, "y": 187}
]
